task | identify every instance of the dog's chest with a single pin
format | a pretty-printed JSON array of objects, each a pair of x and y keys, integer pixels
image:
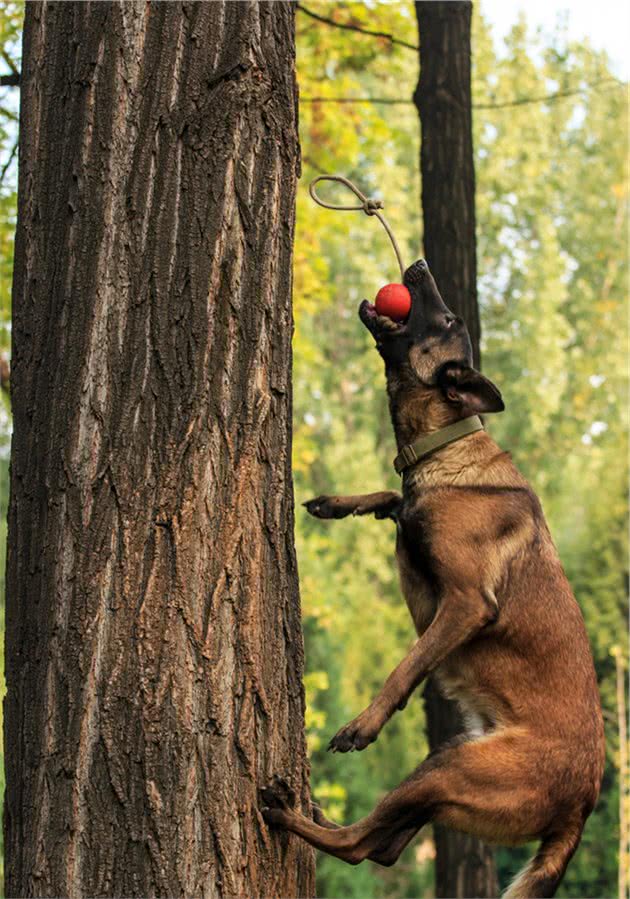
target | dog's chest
[{"x": 416, "y": 585}]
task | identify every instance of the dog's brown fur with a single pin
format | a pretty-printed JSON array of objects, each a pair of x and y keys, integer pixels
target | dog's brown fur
[{"x": 499, "y": 629}]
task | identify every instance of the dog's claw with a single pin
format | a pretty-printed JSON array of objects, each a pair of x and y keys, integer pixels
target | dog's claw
[
  {"x": 277, "y": 802},
  {"x": 278, "y": 794},
  {"x": 271, "y": 798}
]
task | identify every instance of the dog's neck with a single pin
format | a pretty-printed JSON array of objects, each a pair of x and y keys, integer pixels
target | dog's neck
[{"x": 417, "y": 410}]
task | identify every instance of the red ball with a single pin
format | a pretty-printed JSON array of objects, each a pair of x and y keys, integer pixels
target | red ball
[{"x": 394, "y": 301}]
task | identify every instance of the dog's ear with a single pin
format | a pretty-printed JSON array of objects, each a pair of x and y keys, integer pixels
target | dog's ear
[{"x": 466, "y": 387}]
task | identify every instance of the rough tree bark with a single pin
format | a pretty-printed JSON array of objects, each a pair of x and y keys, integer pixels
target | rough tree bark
[
  {"x": 464, "y": 865},
  {"x": 154, "y": 650},
  {"x": 443, "y": 99}
]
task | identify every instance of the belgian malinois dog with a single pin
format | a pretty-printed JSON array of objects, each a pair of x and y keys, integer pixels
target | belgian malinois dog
[{"x": 498, "y": 626}]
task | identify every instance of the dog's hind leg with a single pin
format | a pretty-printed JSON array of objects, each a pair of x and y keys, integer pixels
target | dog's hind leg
[
  {"x": 381, "y": 835},
  {"x": 490, "y": 787},
  {"x": 391, "y": 853},
  {"x": 320, "y": 818},
  {"x": 387, "y": 856}
]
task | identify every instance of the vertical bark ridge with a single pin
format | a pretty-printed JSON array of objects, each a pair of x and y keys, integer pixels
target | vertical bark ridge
[{"x": 154, "y": 651}]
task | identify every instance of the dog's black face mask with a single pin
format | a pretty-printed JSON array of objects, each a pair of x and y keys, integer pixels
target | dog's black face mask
[
  {"x": 431, "y": 348},
  {"x": 431, "y": 336}
]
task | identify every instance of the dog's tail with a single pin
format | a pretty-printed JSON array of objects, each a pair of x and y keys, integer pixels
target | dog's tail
[{"x": 540, "y": 878}]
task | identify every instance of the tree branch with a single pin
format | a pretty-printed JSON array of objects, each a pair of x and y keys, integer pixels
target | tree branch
[
  {"x": 346, "y": 26},
  {"x": 518, "y": 101},
  {"x": 390, "y": 101},
  {"x": 10, "y": 62},
  {"x": 10, "y": 80},
  {"x": 7, "y": 164},
  {"x": 547, "y": 98}
]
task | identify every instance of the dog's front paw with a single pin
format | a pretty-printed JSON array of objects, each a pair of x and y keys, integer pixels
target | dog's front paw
[
  {"x": 278, "y": 801},
  {"x": 326, "y": 507},
  {"x": 356, "y": 735}
]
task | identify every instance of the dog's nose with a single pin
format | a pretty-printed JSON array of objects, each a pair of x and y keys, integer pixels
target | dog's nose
[{"x": 416, "y": 273}]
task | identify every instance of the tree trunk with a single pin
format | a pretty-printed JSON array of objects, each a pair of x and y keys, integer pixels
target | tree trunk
[
  {"x": 464, "y": 865},
  {"x": 154, "y": 650},
  {"x": 624, "y": 777},
  {"x": 443, "y": 100}
]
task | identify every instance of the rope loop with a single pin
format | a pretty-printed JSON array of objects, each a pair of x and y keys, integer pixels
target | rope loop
[{"x": 368, "y": 205}]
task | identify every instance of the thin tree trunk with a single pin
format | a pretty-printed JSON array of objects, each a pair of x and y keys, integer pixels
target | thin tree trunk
[
  {"x": 464, "y": 865},
  {"x": 443, "y": 99},
  {"x": 624, "y": 777},
  {"x": 154, "y": 650}
]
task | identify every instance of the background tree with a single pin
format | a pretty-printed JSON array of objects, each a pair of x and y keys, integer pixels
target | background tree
[
  {"x": 154, "y": 653},
  {"x": 464, "y": 866}
]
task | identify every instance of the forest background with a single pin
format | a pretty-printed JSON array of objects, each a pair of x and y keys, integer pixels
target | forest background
[{"x": 551, "y": 156}]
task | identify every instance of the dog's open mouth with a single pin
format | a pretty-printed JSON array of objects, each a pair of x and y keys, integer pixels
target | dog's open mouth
[
  {"x": 367, "y": 312},
  {"x": 375, "y": 322}
]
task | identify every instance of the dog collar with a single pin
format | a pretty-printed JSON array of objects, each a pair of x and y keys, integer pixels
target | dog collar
[{"x": 413, "y": 452}]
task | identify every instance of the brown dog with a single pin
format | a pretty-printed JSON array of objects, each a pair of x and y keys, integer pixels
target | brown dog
[{"x": 497, "y": 623}]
